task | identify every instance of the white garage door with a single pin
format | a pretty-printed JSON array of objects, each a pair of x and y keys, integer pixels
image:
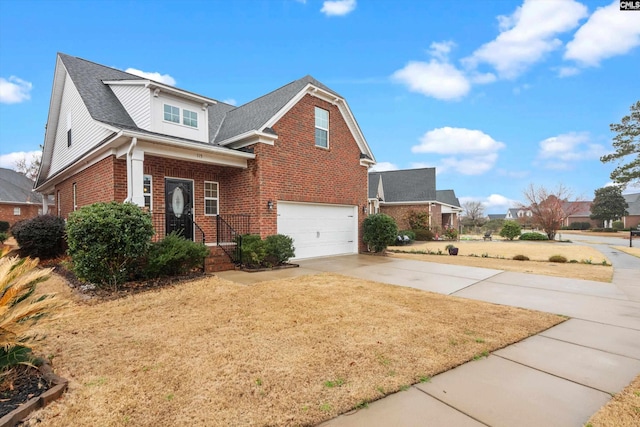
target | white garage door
[{"x": 319, "y": 229}]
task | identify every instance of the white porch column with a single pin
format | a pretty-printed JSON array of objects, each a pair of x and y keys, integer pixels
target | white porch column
[
  {"x": 45, "y": 205},
  {"x": 137, "y": 177}
]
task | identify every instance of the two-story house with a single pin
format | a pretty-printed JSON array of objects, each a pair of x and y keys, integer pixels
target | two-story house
[{"x": 293, "y": 161}]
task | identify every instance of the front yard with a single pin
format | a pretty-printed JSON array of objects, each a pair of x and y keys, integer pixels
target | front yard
[{"x": 287, "y": 352}]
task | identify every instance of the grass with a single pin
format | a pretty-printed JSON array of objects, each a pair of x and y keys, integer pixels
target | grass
[
  {"x": 621, "y": 411},
  {"x": 286, "y": 352}
]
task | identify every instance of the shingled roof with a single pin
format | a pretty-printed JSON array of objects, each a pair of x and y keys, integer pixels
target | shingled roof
[
  {"x": 447, "y": 197},
  {"x": 15, "y": 187},
  {"x": 409, "y": 185},
  {"x": 633, "y": 200}
]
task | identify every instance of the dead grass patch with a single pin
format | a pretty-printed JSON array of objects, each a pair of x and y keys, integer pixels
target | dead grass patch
[
  {"x": 621, "y": 411},
  {"x": 286, "y": 352},
  {"x": 635, "y": 251}
]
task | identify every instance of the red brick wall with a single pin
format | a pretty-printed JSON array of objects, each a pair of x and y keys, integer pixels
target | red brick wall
[
  {"x": 26, "y": 212},
  {"x": 399, "y": 213}
]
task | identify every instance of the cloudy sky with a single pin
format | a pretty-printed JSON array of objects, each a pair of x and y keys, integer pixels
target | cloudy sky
[{"x": 494, "y": 94}]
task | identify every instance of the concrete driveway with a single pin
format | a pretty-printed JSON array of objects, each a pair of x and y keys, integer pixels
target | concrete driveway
[{"x": 559, "y": 377}]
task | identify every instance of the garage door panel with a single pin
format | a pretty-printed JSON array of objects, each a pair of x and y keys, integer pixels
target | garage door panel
[{"x": 319, "y": 230}]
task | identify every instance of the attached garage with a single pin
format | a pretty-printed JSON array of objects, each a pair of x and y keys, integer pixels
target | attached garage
[{"x": 319, "y": 229}]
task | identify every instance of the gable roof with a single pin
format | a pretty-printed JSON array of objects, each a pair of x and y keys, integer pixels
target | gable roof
[
  {"x": 633, "y": 200},
  {"x": 495, "y": 216},
  {"x": 15, "y": 187},
  {"x": 409, "y": 185},
  {"x": 577, "y": 208},
  {"x": 447, "y": 197}
]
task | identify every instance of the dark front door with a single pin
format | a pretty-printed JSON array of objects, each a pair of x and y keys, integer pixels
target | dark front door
[{"x": 179, "y": 207}]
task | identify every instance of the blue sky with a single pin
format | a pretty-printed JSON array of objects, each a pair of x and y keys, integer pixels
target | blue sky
[{"x": 495, "y": 94}]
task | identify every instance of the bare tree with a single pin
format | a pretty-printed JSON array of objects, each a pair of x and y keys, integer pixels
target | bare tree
[
  {"x": 473, "y": 213},
  {"x": 29, "y": 167},
  {"x": 550, "y": 207}
]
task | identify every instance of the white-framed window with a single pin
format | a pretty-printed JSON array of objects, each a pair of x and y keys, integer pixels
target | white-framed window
[
  {"x": 322, "y": 128},
  {"x": 147, "y": 188},
  {"x": 190, "y": 118},
  {"x": 69, "y": 129},
  {"x": 75, "y": 196},
  {"x": 171, "y": 113},
  {"x": 16, "y": 211},
  {"x": 58, "y": 203},
  {"x": 210, "y": 198}
]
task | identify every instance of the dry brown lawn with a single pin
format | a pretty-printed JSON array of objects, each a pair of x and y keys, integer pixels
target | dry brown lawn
[
  {"x": 287, "y": 352},
  {"x": 621, "y": 411},
  {"x": 635, "y": 251},
  {"x": 498, "y": 255}
]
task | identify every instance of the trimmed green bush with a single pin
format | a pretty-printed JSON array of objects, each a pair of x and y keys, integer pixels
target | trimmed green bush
[
  {"x": 40, "y": 237},
  {"x": 617, "y": 225},
  {"x": 557, "y": 258},
  {"x": 423, "y": 235},
  {"x": 521, "y": 258},
  {"x": 380, "y": 231},
  {"x": 4, "y": 226},
  {"x": 510, "y": 230},
  {"x": 108, "y": 241},
  {"x": 409, "y": 233},
  {"x": 173, "y": 256},
  {"x": 532, "y": 235},
  {"x": 253, "y": 250},
  {"x": 578, "y": 226},
  {"x": 3, "y": 236},
  {"x": 279, "y": 249}
]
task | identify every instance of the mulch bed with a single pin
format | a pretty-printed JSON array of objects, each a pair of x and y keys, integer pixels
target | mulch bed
[{"x": 20, "y": 385}]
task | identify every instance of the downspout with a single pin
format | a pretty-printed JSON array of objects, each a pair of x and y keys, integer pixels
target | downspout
[{"x": 129, "y": 198}]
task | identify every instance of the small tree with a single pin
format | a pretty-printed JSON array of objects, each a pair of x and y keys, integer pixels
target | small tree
[
  {"x": 473, "y": 213},
  {"x": 380, "y": 231},
  {"x": 609, "y": 204},
  {"x": 510, "y": 230},
  {"x": 29, "y": 167},
  {"x": 549, "y": 208},
  {"x": 107, "y": 241},
  {"x": 418, "y": 220},
  {"x": 627, "y": 146}
]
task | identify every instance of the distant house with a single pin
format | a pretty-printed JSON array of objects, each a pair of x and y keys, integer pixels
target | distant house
[
  {"x": 397, "y": 192},
  {"x": 495, "y": 216},
  {"x": 633, "y": 219},
  {"x": 17, "y": 200},
  {"x": 293, "y": 161},
  {"x": 579, "y": 211},
  {"x": 518, "y": 214}
]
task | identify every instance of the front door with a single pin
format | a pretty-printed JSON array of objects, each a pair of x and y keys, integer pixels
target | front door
[{"x": 178, "y": 198}]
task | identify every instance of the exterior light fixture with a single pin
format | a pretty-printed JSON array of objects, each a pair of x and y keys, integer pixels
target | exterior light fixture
[{"x": 270, "y": 205}]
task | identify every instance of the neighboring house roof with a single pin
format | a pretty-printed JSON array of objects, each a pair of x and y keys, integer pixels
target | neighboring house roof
[
  {"x": 15, "y": 187},
  {"x": 447, "y": 197},
  {"x": 409, "y": 185},
  {"x": 495, "y": 216},
  {"x": 578, "y": 208},
  {"x": 514, "y": 212},
  {"x": 633, "y": 200}
]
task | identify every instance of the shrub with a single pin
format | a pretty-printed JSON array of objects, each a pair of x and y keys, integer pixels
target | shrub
[
  {"x": 617, "y": 225},
  {"x": 3, "y": 236},
  {"x": 579, "y": 226},
  {"x": 557, "y": 258},
  {"x": 174, "y": 255},
  {"x": 4, "y": 226},
  {"x": 533, "y": 236},
  {"x": 521, "y": 258},
  {"x": 451, "y": 234},
  {"x": 417, "y": 219},
  {"x": 409, "y": 233},
  {"x": 510, "y": 230},
  {"x": 253, "y": 250},
  {"x": 19, "y": 309},
  {"x": 379, "y": 231},
  {"x": 423, "y": 235},
  {"x": 279, "y": 249},
  {"x": 41, "y": 236},
  {"x": 107, "y": 241}
]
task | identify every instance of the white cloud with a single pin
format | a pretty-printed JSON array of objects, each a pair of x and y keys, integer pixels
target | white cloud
[
  {"x": 162, "y": 78},
  {"x": 436, "y": 79},
  {"x": 338, "y": 7},
  {"x": 471, "y": 152},
  {"x": 14, "y": 90},
  {"x": 494, "y": 203},
  {"x": 608, "y": 32},
  {"x": 527, "y": 35},
  {"x": 568, "y": 71},
  {"x": 230, "y": 101},
  {"x": 483, "y": 78},
  {"x": 8, "y": 161},
  {"x": 383, "y": 166},
  {"x": 563, "y": 151}
]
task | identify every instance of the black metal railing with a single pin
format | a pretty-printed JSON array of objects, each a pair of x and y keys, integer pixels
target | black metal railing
[
  {"x": 229, "y": 231},
  {"x": 184, "y": 225}
]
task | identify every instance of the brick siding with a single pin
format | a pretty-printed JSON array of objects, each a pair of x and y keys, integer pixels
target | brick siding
[{"x": 26, "y": 211}]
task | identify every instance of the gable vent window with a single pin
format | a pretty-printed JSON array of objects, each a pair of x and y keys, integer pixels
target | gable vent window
[
  {"x": 171, "y": 113},
  {"x": 322, "y": 128},
  {"x": 69, "y": 130},
  {"x": 190, "y": 118}
]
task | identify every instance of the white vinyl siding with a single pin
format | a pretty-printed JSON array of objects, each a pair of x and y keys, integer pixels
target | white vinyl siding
[
  {"x": 137, "y": 101},
  {"x": 210, "y": 198},
  {"x": 322, "y": 127},
  {"x": 192, "y": 125},
  {"x": 86, "y": 132}
]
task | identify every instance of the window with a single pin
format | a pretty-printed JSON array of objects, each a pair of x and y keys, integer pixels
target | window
[
  {"x": 68, "y": 129},
  {"x": 322, "y": 128},
  {"x": 75, "y": 196},
  {"x": 210, "y": 198},
  {"x": 190, "y": 118},
  {"x": 148, "y": 195},
  {"x": 16, "y": 211},
  {"x": 171, "y": 113},
  {"x": 58, "y": 203}
]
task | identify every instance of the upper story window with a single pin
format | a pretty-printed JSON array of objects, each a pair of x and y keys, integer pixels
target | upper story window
[
  {"x": 322, "y": 128},
  {"x": 210, "y": 198},
  {"x": 171, "y": 113},
  {"x": 148, "y": 195},
  {"x": 190, "y": 118},
  {"x": 16, "y": 211}
]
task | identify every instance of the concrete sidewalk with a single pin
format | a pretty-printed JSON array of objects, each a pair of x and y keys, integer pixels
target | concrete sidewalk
[{"x": 559, "y": 377}]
